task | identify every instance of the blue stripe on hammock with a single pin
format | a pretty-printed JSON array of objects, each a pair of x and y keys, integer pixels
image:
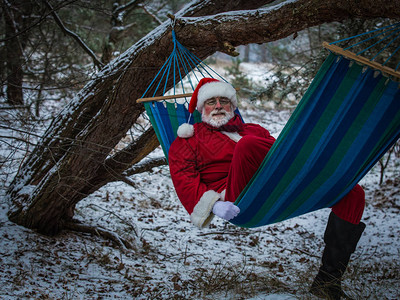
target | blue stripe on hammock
[
  {"x": 165, "y": 130},
  {"x": 164, "y": 118},
  {"x": 182, "y": 113},
  {"x": 150, "y": 109}
]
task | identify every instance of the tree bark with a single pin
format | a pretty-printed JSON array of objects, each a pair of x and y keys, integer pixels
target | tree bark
[
  {"x": 71, "y": 160},
  {"x": 14, "y": 54}
]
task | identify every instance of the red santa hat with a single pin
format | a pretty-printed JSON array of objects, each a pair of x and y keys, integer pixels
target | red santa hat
[{"x": 206, "y": 88}]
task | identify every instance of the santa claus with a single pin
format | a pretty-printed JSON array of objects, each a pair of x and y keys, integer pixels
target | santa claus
[
  {"x": 207, "y": 172},
  {"x": 211, "y": 162}
]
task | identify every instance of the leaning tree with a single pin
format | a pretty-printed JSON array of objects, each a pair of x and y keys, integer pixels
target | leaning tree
[{"x": 76, "y": 155}]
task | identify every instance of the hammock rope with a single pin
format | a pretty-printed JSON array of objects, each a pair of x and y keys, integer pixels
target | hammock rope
[
  {"x": 180, "y": 58},
  {"x": 388, "y": 34},
  {"x": 345, "y": 122}
]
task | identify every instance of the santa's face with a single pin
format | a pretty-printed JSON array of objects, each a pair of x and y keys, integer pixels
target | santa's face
[{"x": 217, "y": 111}]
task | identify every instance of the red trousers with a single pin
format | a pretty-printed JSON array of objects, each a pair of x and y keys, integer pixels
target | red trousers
[{"x": 248, "y": 155}]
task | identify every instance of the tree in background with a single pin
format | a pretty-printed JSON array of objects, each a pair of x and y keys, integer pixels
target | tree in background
[
  {"x": 53, "y": 47},
  {"x": 17, "y": 17}
]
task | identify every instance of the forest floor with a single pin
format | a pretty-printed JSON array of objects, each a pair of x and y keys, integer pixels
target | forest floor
[{"x": 175, "y": 260}]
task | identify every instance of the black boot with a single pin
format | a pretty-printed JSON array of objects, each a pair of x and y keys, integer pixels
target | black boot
[{"x": 341, "y": 238}]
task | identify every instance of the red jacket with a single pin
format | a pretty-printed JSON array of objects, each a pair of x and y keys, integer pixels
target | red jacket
[{"x": 199, "y": 165}]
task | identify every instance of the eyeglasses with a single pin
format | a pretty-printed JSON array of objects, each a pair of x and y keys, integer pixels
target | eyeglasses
[{"x": 213, "y": 101}]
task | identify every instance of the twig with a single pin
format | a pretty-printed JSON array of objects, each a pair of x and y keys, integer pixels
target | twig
[
  {"x": 127, "y": 180},
  {"x": 20, "y": 130},
  {"x": 153, "y": 16},
  {"x": 133, "y": 227},
  {"x": 96, "y": 61},
  {"x": 17, "y": 139},
  {"x": 129, "y": 5},
  {"x": 146, "y": 166},
  {"x": 301, "y": 251},
  {"x": 228, "y": 232},
  {"x": 40, "y": 20},
  {"x": 122, "y": 243},
  {"x": 14, "y": 107}
]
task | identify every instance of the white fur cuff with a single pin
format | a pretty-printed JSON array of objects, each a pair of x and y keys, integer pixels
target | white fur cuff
[
  {"x": 201, "y": 215},
  {"x": 185, "y": 130}
]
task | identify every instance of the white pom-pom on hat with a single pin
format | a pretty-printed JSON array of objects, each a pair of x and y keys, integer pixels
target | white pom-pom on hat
[{"x": 185, "y": 130}]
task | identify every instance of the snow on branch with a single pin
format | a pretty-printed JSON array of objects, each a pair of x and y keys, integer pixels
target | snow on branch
[
  {"x": 146, "y": 166},
  {"x": 241, "y": 27}
]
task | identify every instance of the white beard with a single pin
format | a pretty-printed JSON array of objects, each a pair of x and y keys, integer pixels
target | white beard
[{"x": 217, "y": 121}]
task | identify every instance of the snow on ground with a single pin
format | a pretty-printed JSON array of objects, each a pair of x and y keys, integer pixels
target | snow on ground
[{"x": 175, "y": 260}]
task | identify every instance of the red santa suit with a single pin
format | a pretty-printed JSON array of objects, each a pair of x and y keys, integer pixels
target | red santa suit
[{"x": 210, "y": 166}]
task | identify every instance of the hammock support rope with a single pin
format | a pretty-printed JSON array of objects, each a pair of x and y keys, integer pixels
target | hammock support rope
[
  {"x": 180, "y": 59},
  {"x": 345, "y": 122},
  {"x": 352, "y": 56}
]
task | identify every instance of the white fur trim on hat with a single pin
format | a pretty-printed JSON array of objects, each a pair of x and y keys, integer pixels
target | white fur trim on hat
[
  {"x": 215, "y": 89},
  {"x": 201, "y": 215},
  {"x": 185, "y": 130}
]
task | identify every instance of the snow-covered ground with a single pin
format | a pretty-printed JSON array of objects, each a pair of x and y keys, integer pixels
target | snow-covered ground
[{"x": 175, "y": 260}]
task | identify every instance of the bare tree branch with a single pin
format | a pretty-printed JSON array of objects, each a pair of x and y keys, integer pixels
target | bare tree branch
[
  {"x": 14, "y": 107},
  {"x": 146, "y": 166},
  {"x": 122, "y": 243},
  {"x": 40, "y": 20},
  {"x": 17, "y": 139},
  {"x": 81, "y": 43},
  {"x": 220, "y": 32},
  {"x": 130, "y": 5},
  {"x": 153, "y": 16}
]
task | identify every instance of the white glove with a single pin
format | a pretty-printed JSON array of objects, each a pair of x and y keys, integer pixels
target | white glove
[{"x": 225, "y": 210}]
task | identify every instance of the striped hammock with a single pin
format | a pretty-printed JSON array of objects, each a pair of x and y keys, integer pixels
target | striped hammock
[
  {"x": 348, "y": 118},
  {"x": 346, "y": 121}
]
